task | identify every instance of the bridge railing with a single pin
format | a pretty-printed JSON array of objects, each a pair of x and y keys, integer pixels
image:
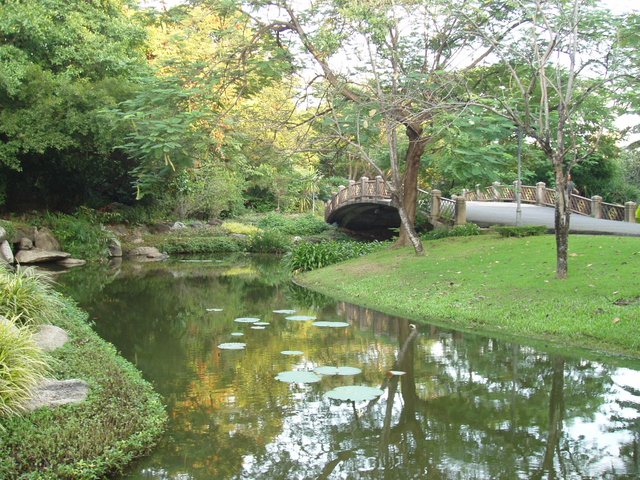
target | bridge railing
[{"x": 453, "y": 210}]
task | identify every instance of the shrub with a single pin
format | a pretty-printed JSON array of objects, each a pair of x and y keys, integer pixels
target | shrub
[
  {"x": 466, "y": 230},
  {"x": 240, "y": 228},
  {"x": 523, "y": 231},
  {"x": 303, "y": 225},
  {"x": 79, "y": 234},
  {"x": 309, "y": 256},
  {"x": 202, "y": 245},
  {"x": 270, "y": 241},
  {"x": 28, "y": 297},
  {"x": 22, "y": 366}
]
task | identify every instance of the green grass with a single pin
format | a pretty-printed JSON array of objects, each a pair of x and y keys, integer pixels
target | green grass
[
  {"x": 504, "y": 286},
  {"x": 121, "y": 419}
]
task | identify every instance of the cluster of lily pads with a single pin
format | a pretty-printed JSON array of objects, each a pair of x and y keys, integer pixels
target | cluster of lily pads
[{"x": 352, "y": 393}]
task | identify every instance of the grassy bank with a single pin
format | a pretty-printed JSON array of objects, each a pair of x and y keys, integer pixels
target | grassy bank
[
  {"x": 122, "y": 418},
  {"x": 505, "y": 286}
]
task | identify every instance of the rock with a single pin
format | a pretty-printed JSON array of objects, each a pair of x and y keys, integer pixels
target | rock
[
  {"x": 149, "y": 252},
  {"x": 10, "y": 324},
  {"x": 71, "y": 262},
  {"x": 50, "y": 337},
  {"x": 23, "y": 232},
  {"x": 197, "y": 224},
  {"x": 51, "y": 393},
  {"x": 178, "y": 226},
  {"x": 25, "y": 243},
  {"x": 5, "y": 253},
  {"x": 159, "y": 228},
  {"x": 296, "y": 239},
  {"x": 137, "y": 241},
  {"x": 115, "y": 248},
  {"x": 214, "y": 222},
  {"x": 239, "y": 236},
  {"x": 118, "y": 229},
  {"x": 36, "y": 255},
  {"x": 45, "y": 240},
  {"x": 3, "y": 234}
]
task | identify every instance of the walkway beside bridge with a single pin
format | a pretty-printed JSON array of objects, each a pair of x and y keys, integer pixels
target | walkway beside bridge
[{"x": 366, "y": 205}]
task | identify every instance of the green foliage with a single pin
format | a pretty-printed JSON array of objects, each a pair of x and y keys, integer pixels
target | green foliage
[
  {"x": 199, "y": 244},
  {"x": 466, "y": 230},
  {"x": 121, "y": 419},
  {"x": 8, "y": 227},
  {"x": 27, "y": 297},
  {"x": 302, "y": 225},
  {"x": 79, "y": 234},
  {"x": 309, "y": 256},
  {"x": 270, "y": 241},
  {"x": 22, "y": 366},
  {"x": 523, "y": 231},
  {"x": 240, "y": 228}
]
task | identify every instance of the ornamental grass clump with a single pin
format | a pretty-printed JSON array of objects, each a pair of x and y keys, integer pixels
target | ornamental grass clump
[
  {"x": 27, "y": 297},
  {"x": 309, "y": 256},
  {"x": 22, "y": 366}
]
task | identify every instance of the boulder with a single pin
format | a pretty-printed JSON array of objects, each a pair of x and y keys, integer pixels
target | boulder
[
  {"x": 45, "y": 240},
  {"x": 178, "y": 226},
  {"x": 5, "y": 253},
  {"x": 115, "y": 248},
  {"x": 10, "y": 324},
  {"x": 3, "y": 234},
  {"x": 51, "y": 393},
  {"x": 23, "y": 232},
  {"x": 36, "y": 255},
  {"x": 50, "y": 337},
  {"x": 149, "y": 252},
  {"x": 71, "y": 262},
  {"x": 25, "y": 243}
]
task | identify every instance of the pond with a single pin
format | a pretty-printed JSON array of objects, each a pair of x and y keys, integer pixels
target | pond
[{"x": 456, "y": 405}]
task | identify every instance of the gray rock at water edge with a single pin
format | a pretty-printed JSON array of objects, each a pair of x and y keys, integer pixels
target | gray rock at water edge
[
  {"x": 25, "y": 244},
  {"x": 50, "y": 337},
  {"x": 148, "y": 252},
  {"x": 115, "y": 248},
  {"x": 52, "y": 393},
  {"x": 71, "y": 262},
  {"x": 3, "y": 234},
  {"x": 45, "y": 240},
  {"x": 5, "y": 253},
  {"x": 39, "y": 256}
]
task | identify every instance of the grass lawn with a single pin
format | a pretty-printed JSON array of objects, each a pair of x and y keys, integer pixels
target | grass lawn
[
  {"x": 121, "y": 419},
  {"x": 504, "y": 286}
]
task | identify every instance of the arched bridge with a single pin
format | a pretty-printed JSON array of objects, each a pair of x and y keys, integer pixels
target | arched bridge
[{"x": 365, "y": 205}]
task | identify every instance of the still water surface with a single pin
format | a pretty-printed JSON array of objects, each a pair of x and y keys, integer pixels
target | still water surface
[{"x": 468, "y": 407}]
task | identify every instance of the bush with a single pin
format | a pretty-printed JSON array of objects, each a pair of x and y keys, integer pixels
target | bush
[
  {"x": 202, "y": 245},
  {"x": 309, "y": 256},
  {"x": 303, "y": 225},
  {"x": 270, "y": 241},
  {"x": 28, "y": 297},
  {"x": 80, "y": 234},
  {"x": 240, "y": 228},
  {"x": 524, "y": 231},
  {"x": 466, "y": 230},
  {"x": 22, "y": 366}
]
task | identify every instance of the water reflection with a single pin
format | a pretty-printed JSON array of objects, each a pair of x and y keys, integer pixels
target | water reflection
[{"x": 467, "y": 407}]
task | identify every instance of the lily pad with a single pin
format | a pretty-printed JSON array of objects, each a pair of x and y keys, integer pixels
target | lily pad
[
  {"x": 330, "y": 324},
  {"x": 292, "y": 352},
  {"x": 354, "y": 393},
  {"x": 298, "y": 377},
  {"x": 285, "y": 312},
  {"x": 247, "y": 320},
  {"x": 262, "y": 324},
  {"x": 237, "y": 334},
  {"x": 232, "y": 346},
  {"x": 300, "y": 318},
  {"x": 337, "y": 370},
  {"x": 397, "y": 373},
  {"x": 257, "y": 327},
  {"x": 214, "y": 309}
]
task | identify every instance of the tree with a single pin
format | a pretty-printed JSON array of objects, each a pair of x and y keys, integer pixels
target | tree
[{"x": 564, "y": 54}]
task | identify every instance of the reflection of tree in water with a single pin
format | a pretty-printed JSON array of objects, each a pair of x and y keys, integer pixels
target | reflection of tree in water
[{"x": 467, "y": 407}]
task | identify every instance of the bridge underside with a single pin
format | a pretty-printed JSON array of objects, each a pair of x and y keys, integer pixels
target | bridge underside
[{"x": 365, "y": 217}]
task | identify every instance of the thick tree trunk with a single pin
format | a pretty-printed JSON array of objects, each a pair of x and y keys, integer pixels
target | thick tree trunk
[
  {"x": 416, "y": 148},
  {"x": 562, "y": 218}
]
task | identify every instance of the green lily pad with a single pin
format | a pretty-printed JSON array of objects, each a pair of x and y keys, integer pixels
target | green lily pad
[
  {"x": 337, "y": 370},
  {"x": 232, "y": 346},
  {"x": 247, "y": 320},
  {"x": 298, "y": 377},
  {"x": 397, "y": 372},
  {"x": 292, "y": 352},
  {"x": 300, "y": 318},
  {"x": 330, "y": 324},
  {"x": 285, "y": 312},
  {"x": 214, "y": 309},
  {"x": 257, "y": 327},
  {"x": 262, "y": 324},
  {"x": 354, "y": 393},
  {"x": 237, "y": 334}
]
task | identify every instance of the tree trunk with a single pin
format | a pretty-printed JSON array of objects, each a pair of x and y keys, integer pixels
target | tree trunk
[
  {"x": 417, "y": 145},
  {"x": 562, "y": 218}
]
